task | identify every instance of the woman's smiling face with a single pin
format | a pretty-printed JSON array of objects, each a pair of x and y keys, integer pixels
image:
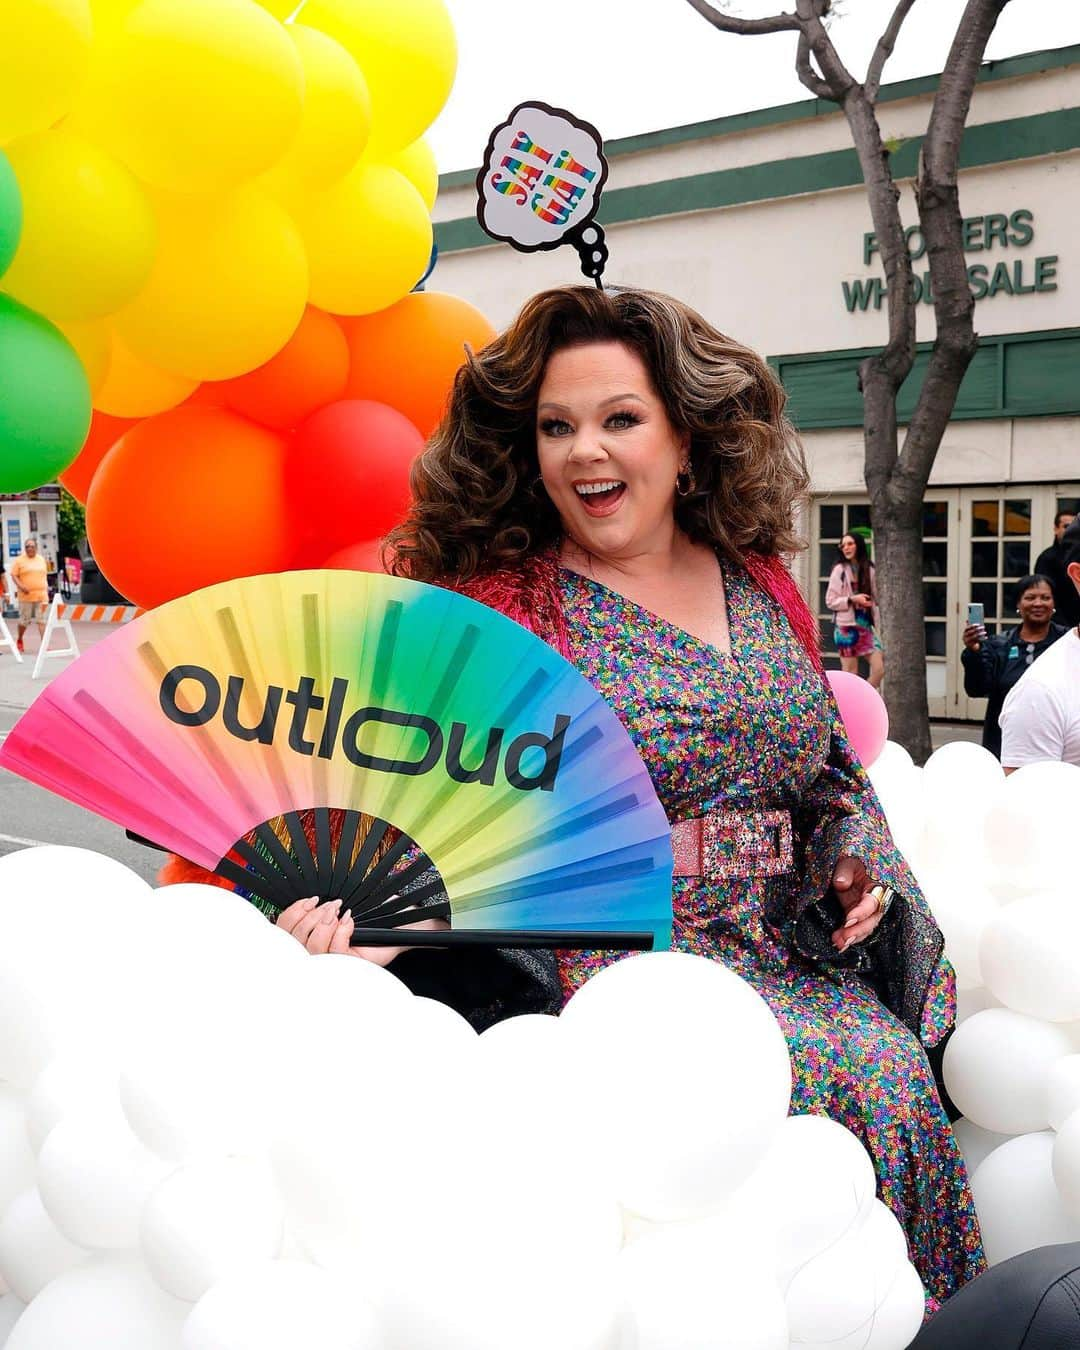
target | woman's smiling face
[{"x": 608, "y": 453}]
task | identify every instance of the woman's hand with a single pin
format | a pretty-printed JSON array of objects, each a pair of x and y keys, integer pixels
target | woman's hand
[
  {"x": 862, "y": 913},
  {"x": 974, "y": 636},
  {"x": 320, "y": 930},
  {"x": 862, "y": 601}
]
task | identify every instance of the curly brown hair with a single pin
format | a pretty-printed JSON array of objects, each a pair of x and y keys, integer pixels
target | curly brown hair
[{"x": 477, "y": 503}]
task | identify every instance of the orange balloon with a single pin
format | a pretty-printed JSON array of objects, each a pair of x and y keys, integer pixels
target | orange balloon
[
  {"x": 104, "y": 432},
  {"x": 363, "y": 557},
  {"x": 188, "y": 498},
  {"x": 309, "y": 371},
  {"x": 407, "y": 355}
]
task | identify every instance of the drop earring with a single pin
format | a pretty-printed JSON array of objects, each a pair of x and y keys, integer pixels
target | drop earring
[{"x": 685, "y": 482}]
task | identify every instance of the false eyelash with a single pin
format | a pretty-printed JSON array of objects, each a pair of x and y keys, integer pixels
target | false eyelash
[{"x": 632, "y": 418}]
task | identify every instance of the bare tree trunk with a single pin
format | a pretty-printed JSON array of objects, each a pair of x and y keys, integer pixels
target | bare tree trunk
[
  {"x": 896, "y": 479},
  {"x": 896, "y": 503}
]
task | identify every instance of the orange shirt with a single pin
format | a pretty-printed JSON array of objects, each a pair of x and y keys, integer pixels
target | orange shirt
[{"x": 31, "y": 578}]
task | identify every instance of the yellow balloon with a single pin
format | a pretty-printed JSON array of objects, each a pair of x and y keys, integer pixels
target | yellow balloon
[
  {"x": 280, "y": 9},
  {"x": 408, "y": 53},
  {"x": 417, "y": 163},
  {"x": 92, "y": 343},
  {"x": 88, "y": 234},
  {"x": 227, "y": 288},
  {"x": 368, "y": 240},
  {"x": 135, "y": 388},
  {"x": 195, "y": 95},
  {"x": 44, "y": 54},
  {"x": 108, "y": 15},
  {"x": 336, "y": 121}
]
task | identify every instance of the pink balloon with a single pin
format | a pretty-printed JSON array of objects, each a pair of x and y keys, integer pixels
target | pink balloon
[{"x": 864, "y": 714}]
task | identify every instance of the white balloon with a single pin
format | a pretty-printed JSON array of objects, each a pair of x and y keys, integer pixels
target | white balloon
[
  {"x": 996, "y": 1066},
  {"x": 962, "y": 910},
  {"x": 74, "y": 992},
  {"x": 898, "y": 1319},
  {"x": 1062, "y": 1090},
  {"x": 1066, "y": 1164},
  {"x": 670, "y": 1141},
  {"x": 976, "y": 1143},
  {"x": 1037, "y": 807},
  {"x": 33, "y": 1250},
  {"x": 1017, "y": 1200},
  {"x": 105, "y": 1304},
  {"x": 1030, "y": 955},
  {"x": 11, "y": 1309},
  {"x": 57, "y": 874},
  {"x": 898, "y": 784},
  {"x": 535, "y": 1303},
  {"x": 202, "y": 1076},
  {"x": 815, "y": 1186},
  {"x": 16, "y": 1158},
  {"x": 281, "y": 1305},
  {"x": 725, "y": 1299},
  {"x": 95, "y": 1176},
  {"x": 960, "y": 783},
  {"x": 971, "y": 1001},
  {"x": 893, "y": 754},
  {"x": 835, "y": 1295},
  {"x": 69, "y": 1083},
  {"x": 209, "y": 1220}
]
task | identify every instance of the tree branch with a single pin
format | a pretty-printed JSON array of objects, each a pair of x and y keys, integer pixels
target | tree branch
[
  {"x": 884, "y": 49},
  {"x": 807, "y": 74},
  {"x": 776, "y": 23},
  {"x": 941, "y": 146},
  {"x": 833, "y": 71},
  {"x": 938, "y": 195}
]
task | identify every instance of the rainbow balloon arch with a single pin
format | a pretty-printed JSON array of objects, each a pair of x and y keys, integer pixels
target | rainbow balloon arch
[{"x": 212, "y": 221}]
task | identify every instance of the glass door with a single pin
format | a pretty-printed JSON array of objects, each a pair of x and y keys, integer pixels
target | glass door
[
  {"x": 835, "y": 516},
  {"x": 999, "y": 548}
]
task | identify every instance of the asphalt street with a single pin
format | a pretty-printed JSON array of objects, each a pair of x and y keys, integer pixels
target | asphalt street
[{"x": 30, "y": 815}]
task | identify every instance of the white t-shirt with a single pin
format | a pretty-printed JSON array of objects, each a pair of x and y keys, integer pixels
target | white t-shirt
[{"x": 1041, "y": 716}]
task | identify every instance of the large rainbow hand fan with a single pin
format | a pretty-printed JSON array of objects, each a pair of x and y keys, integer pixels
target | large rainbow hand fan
[{"x": 444, "y": 760}]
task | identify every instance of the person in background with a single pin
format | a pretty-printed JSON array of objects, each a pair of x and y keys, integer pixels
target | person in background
[
  {"x": 1041, "y": 716},
  {"x": 852, "y": 597},
  {"x": 993, "y": 665},
  {"x": 30, "y": 573},
  {"x": 1050, "y": 564}
]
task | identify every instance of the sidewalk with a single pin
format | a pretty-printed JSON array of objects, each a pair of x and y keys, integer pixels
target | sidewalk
[{"x": 17, "y": 689}]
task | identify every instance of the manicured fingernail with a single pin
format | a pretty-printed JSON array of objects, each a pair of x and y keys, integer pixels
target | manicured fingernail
[
  {"x": 850, "y": 942},
  {"x": 329, "y": 913},
  {"x": 311, "y": 902},
  {"x": 850, "y": 923}
]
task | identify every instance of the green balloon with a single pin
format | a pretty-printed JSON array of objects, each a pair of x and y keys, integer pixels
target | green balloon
[
  {"x": 10, "y": 213},
  {"x": 44, "y": 399}
]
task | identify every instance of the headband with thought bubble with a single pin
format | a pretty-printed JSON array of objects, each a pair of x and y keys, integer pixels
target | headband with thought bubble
[{"x": 540, "y": 184}]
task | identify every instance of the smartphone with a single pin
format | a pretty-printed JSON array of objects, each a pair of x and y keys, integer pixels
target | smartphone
[{"x": 976, "y": 613}]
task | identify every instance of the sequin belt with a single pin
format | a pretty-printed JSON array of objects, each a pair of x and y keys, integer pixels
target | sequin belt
[{"x": 733, "y": 844}]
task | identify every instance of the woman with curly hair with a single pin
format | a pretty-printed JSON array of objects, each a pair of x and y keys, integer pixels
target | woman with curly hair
[{"x": 619, "y": 477}]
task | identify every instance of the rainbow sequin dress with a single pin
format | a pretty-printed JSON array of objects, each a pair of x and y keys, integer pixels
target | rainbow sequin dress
[{"x": 753, "y": 730}]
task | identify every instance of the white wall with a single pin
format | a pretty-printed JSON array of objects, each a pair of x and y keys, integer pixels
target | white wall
[{"x": 771, "y": 273}]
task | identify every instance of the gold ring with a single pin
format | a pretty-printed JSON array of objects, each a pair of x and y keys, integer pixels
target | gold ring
[{"x": 884, "y": 897}]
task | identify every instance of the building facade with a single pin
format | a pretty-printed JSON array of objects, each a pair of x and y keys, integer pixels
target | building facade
[{"x": 761, "y": 222}]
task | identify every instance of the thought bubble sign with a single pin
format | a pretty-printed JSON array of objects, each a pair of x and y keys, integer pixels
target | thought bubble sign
[{"x": 540, "y": 183}]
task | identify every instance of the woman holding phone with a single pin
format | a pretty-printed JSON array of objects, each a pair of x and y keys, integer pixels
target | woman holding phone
[
  {"x": 992, "y": 665},
  {"x": 852, "y": 597}
]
